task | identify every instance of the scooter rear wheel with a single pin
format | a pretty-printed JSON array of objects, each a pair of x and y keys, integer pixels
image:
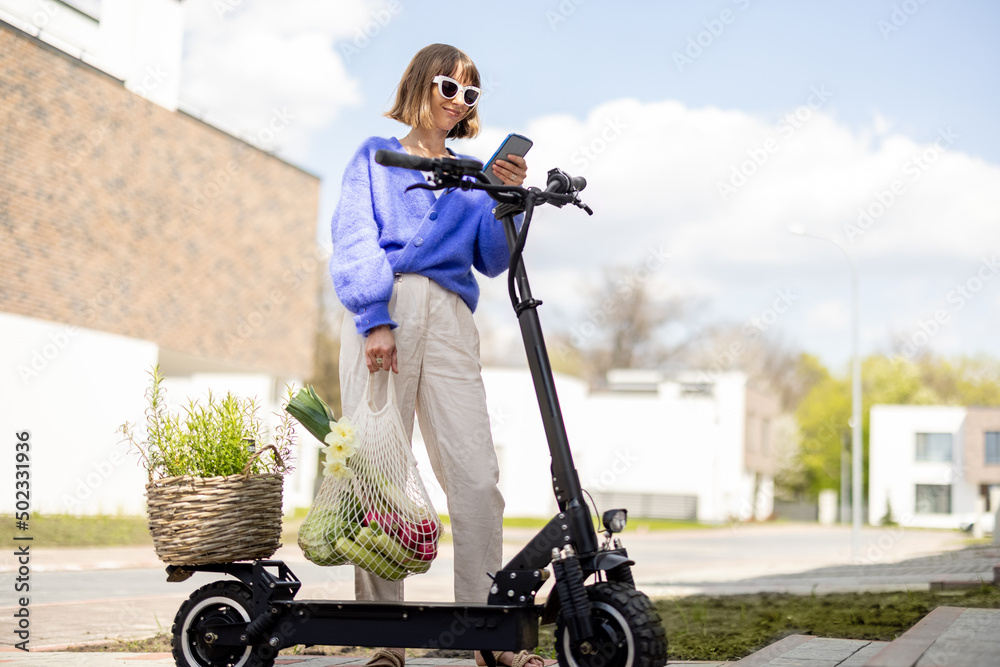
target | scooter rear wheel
[
  {"x": 218, "y": 602},
  {"x": 628, "y": 631}
]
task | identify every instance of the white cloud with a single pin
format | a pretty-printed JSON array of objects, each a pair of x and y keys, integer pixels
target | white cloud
[
  {"x": 655, "y": 169},
  {"x": 247, "y": 62},
  {"x": 828, "y": 317},
  {"x": 881, "y": 124}
]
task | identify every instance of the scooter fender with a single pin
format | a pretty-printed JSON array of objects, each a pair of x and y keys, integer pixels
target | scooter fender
[
  {"x": 602, "y": 560},
  {"x": 605, "y": 560}
]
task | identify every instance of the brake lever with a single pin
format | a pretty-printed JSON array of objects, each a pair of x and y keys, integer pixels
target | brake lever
[
  {"x": 580, "y": 204},
  {"x": 425, "y": 186}
]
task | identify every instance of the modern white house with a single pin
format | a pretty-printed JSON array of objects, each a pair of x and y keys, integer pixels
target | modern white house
[
  {"x": 84, "y": 384},
  {"x": 936, "y": 466},
  {"x": 685, "y": 448}
]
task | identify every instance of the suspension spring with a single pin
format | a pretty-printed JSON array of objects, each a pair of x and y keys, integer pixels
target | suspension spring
[{"x": 575, "y": 604}]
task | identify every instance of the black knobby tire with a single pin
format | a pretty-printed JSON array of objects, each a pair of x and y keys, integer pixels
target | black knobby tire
[
  {"x": 628, "y": 631},
  {"x": 219, "y": 601}
]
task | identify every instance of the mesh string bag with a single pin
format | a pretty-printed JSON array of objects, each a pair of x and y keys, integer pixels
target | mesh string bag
[{"x": 372, "y": 509}]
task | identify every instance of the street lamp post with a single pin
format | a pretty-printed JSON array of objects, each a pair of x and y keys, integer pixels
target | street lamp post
[{"x": 856, "y": 423}]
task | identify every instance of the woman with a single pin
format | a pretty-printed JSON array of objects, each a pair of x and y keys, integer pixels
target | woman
[{"x": 402, "y": 265}]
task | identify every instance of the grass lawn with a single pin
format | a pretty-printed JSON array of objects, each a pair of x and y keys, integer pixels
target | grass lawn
[
  {"x": 732, "y": 627},
  {"x": 61, "y": 530},
  {"x": 728, "y": 628},
  {"x": 634, "y": 524}
]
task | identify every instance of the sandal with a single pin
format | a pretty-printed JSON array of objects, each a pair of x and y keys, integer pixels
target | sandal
[
  {"x": 383, "y": 657},
  {"x": 521, "y": 659}
]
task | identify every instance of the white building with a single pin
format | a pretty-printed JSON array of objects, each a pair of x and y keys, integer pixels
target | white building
[
  {"x": 690, "y": 448},
  {"x": 136, "y": 41},
  {"x": 932, "y": 464}
]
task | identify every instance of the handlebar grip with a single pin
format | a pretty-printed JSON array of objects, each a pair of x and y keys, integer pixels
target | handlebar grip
[
  {"x": 559, "y": 182},
  {"x": 388, "y": 158}
]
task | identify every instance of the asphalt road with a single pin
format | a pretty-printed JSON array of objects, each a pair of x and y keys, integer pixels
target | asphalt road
[{"x": 80, "y": 595}]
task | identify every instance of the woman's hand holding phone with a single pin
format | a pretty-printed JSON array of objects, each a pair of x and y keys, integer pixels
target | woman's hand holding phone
[
  {"x": 507, "y": 166},
  {"x": 512, "y": 170}
]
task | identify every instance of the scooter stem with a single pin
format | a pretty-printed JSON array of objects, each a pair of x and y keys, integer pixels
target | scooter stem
[{"x": 565, "y": 479}]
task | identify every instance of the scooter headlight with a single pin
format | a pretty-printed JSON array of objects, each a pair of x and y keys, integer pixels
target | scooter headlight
[{"x": 614, "y": 520}]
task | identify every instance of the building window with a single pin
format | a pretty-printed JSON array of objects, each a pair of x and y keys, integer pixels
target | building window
[
  {"x": 993, "y": 447},
  {"x": 91, "y": 8},
  {"x": 933, "y": 498},
  {"x": 934, "y": 447}
]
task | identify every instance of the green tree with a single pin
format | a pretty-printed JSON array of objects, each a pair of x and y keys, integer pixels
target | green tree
[
  {"x": 964, "y": 381},
  {"x": 823, "y": 416}
]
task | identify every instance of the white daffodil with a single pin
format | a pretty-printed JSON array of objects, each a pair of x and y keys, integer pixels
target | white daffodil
[
  {"x": 337, "y": 469},
  {"x": 341, "y": 435},
  {"x": 339, "y": 452}
]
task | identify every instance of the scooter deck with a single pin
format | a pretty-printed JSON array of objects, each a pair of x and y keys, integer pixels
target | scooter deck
[
  {"x": 286, "y": 621},
  {"x": 412, "y": 624}
]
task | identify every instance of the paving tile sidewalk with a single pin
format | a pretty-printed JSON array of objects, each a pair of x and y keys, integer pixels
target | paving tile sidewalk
[
  {"x": 40, "y": 658},
  {"x": 970, "y": 565}
]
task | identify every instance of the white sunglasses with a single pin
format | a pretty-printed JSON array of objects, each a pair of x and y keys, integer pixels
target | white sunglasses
[{"x": 449, "y": 88}]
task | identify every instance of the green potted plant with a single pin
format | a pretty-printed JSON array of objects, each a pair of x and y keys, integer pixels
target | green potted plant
[{"x": 215, "y": 484}]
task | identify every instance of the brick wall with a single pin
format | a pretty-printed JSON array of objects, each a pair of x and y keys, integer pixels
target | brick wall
[
  {"x": 762, "y": 412},
  {"x": 121, "y": 216},
  {"x": 977, "y": 422}
]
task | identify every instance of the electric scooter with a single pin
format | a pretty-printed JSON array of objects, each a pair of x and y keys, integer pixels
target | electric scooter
[{"x": 604, "y": 623}]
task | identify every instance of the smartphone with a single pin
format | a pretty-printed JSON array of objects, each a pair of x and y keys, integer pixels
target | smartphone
[{"x": 514, "y": 144}]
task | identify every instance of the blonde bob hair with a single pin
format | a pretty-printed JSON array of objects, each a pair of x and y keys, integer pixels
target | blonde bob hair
[{"x": 415, "y": 92}]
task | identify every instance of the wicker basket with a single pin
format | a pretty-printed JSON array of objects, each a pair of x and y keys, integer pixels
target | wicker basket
[{"x": 200, "y": 520}]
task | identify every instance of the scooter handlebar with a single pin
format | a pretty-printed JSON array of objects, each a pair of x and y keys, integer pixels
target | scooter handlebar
[
  {"x": 559, "y": 182},
  {"x": 388, "y": 158}
]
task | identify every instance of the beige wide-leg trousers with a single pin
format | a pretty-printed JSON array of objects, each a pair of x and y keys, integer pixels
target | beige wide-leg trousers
[{"x": 437, "y": 348}]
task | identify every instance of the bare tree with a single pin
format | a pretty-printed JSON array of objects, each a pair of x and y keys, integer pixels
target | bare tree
[
  {"x": 767, "y": 359},
  {"x": 628, "y": 325}
]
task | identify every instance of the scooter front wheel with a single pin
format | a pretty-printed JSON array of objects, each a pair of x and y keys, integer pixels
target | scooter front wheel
[
  {"x": 221, "y": 602},
  {"x": 628, "y": 631}
]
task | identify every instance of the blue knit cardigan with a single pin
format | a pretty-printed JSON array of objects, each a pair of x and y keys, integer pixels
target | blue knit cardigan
[{"x": 380, "y": 230}]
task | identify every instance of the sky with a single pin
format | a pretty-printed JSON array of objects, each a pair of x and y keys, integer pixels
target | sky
[{"x": 706, "y": 131}]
